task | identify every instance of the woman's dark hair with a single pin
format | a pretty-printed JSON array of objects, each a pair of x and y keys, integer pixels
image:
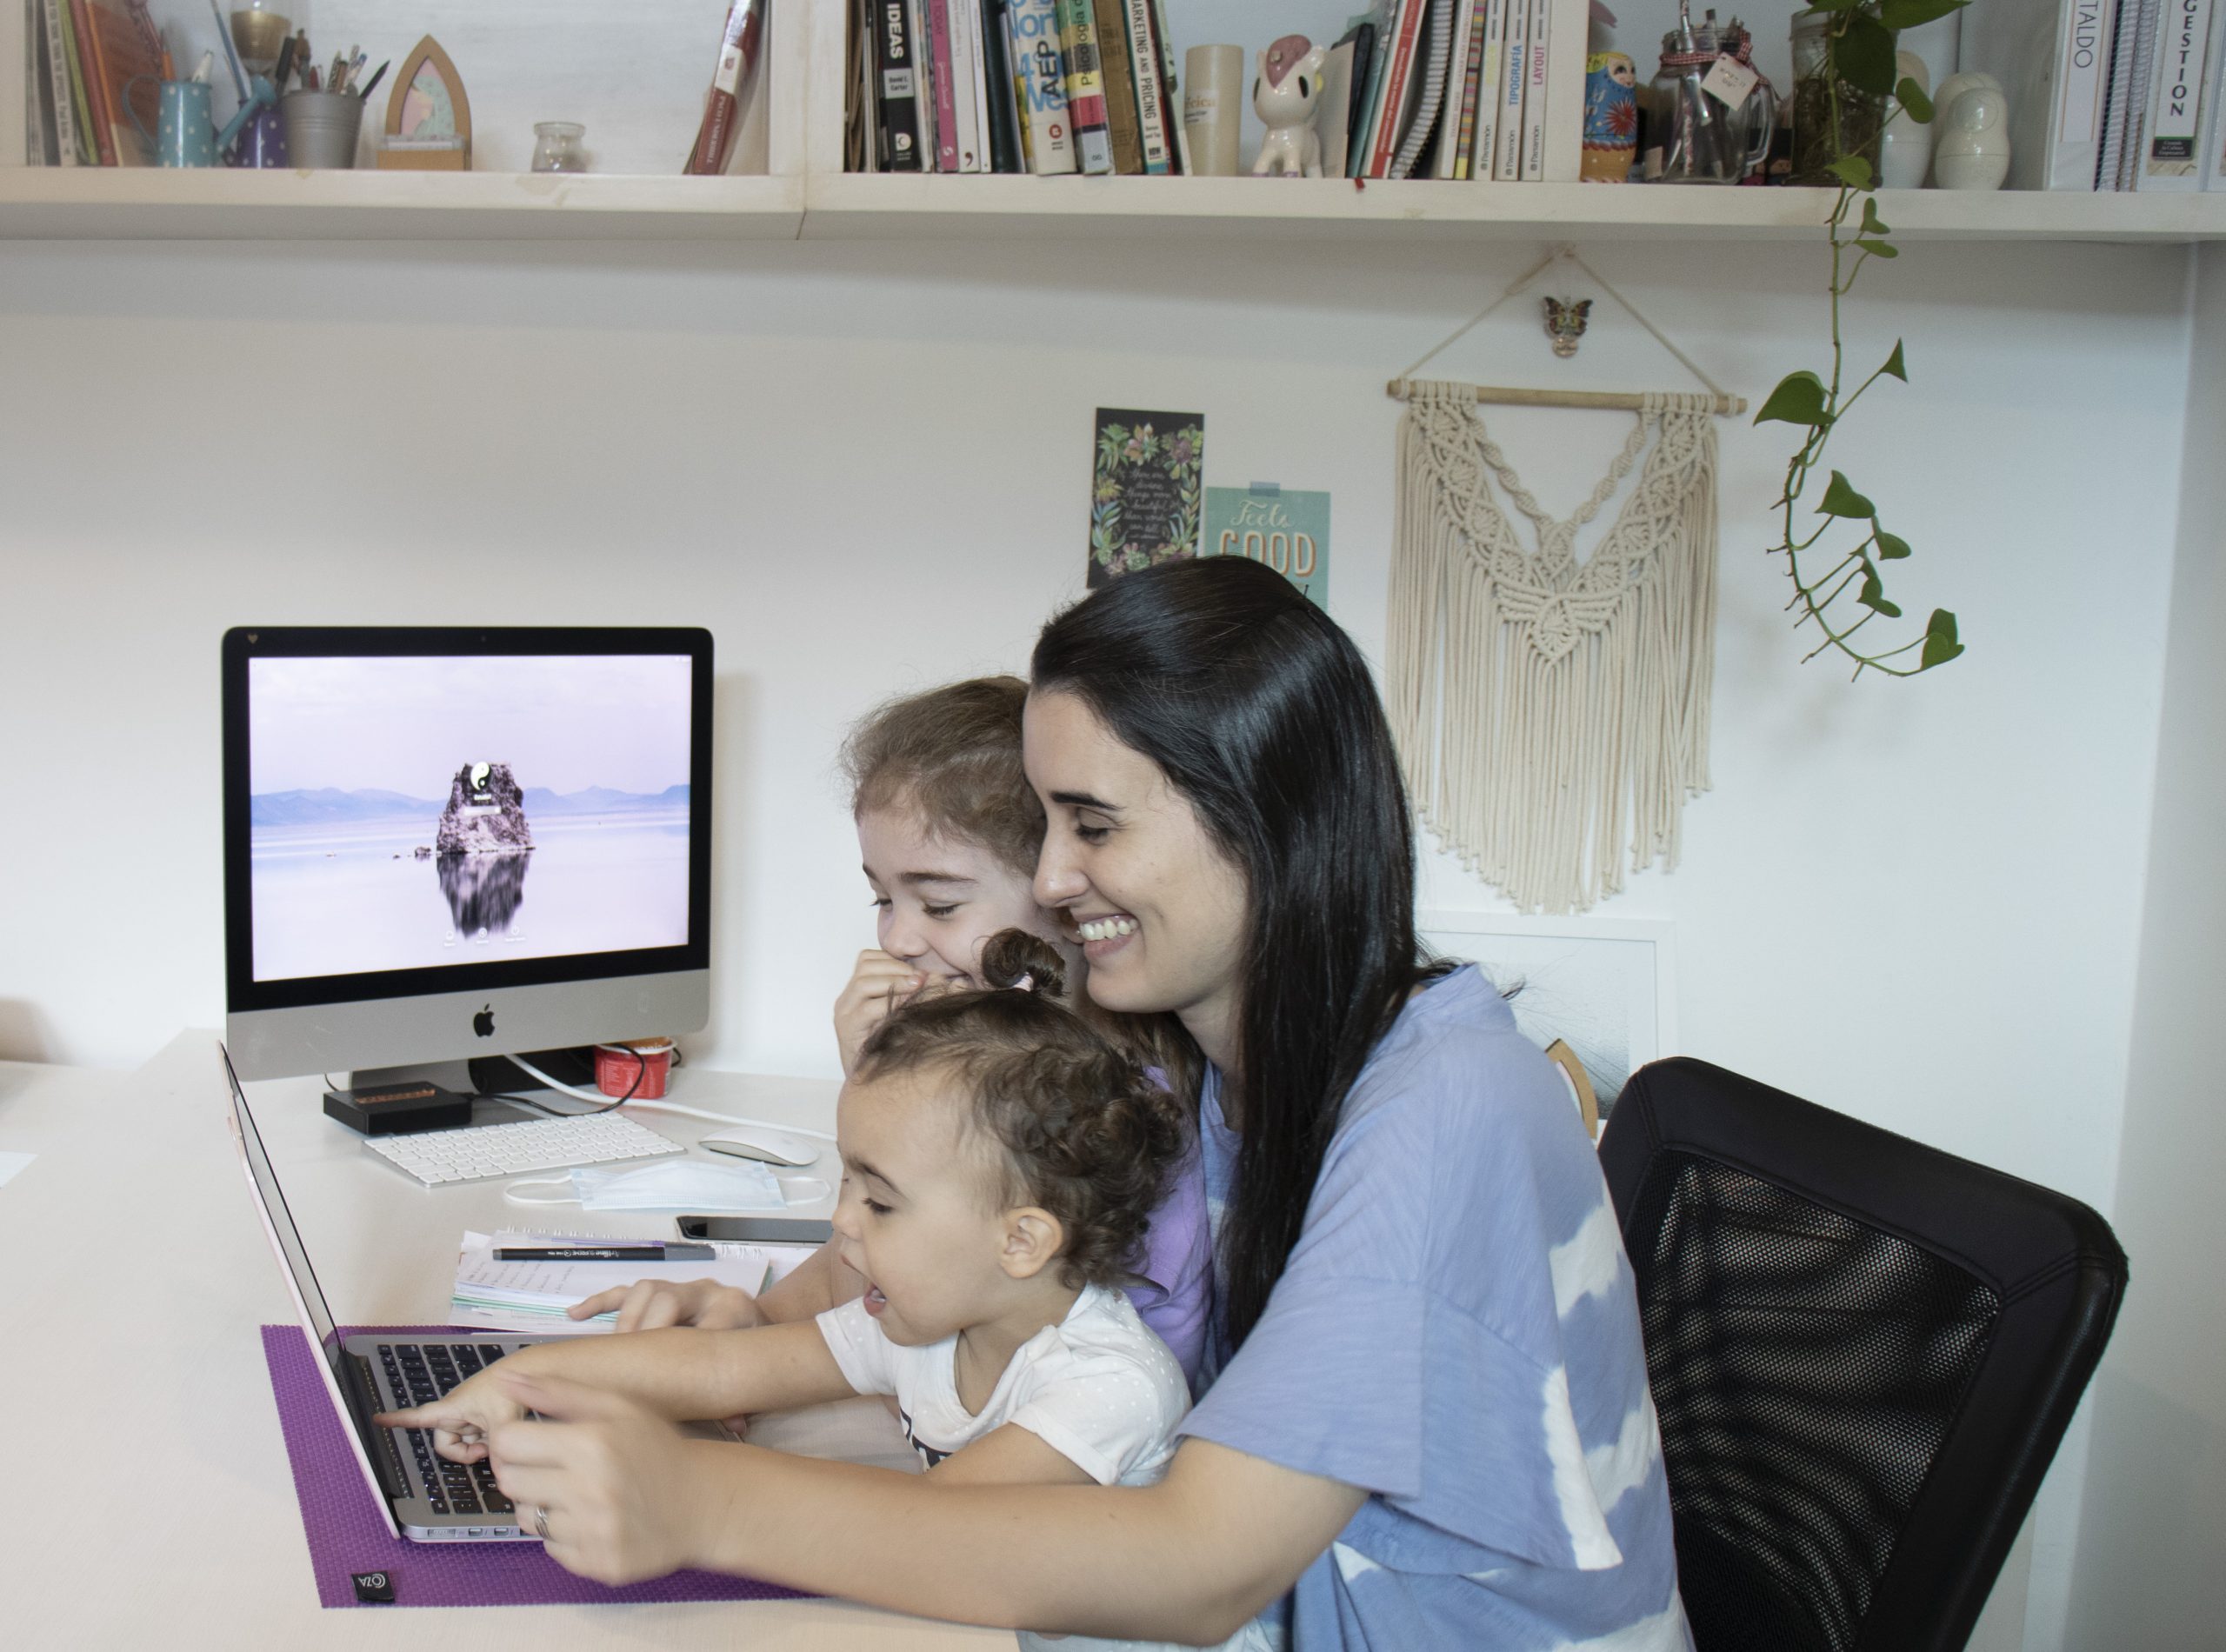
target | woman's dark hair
[
  {"x": 1261, "y": 712},
  {"x": 953, "y": 753},
  {"x": 1078, "y": 1127}
]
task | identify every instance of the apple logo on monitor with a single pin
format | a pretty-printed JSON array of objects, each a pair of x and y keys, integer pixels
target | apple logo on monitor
[{"x": 483, "y": 1023}]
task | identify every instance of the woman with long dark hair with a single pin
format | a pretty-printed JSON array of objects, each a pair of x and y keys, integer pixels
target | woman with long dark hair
[{"x": 1424, "y": 1418}]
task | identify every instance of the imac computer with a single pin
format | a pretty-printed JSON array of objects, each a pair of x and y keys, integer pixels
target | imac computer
[{"x": 447, "y": 842}]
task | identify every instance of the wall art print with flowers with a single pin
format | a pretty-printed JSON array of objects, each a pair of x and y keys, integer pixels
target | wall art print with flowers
[{"x": 1147, "y": 497}]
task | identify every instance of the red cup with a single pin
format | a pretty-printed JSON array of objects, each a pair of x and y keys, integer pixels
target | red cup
[{"x": 617, "y": 1065}]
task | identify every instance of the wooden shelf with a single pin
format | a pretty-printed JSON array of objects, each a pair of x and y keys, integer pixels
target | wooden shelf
[
  {"x": 147, "y": 204},
  {"x": 217, "y": 205}
]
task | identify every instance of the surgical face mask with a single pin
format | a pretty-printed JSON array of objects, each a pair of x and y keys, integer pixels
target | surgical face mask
[{"x": 671, "y": 1185}]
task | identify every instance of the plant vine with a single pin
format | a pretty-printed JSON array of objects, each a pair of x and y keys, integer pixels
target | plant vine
[{"x": 1859, "y": 51}]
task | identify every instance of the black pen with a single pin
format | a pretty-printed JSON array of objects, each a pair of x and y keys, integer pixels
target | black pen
[
  {"x": 645, "y": 1252},
  {"x": 377, "y": 77}
]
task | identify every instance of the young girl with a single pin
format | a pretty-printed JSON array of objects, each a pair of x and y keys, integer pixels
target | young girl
[
  {"x": 948, "y": 829},
  {"x": 1426, "y": 1420},
  {"x": 999, "y": 1158}
]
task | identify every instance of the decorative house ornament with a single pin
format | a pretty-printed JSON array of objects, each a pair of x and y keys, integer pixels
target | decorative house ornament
[
  {"x": 1565, "y": 319},
  {"x": 428, "y": 115}
]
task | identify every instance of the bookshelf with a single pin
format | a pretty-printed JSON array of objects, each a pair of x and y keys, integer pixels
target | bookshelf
[{"x": 805, "y": 194}]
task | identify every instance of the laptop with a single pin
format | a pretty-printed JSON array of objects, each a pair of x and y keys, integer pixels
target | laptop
[{"x": 422, "y": 1496}]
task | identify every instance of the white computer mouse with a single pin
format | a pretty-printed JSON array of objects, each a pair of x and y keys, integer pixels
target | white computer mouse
[{"x": 769, "y": 1146}]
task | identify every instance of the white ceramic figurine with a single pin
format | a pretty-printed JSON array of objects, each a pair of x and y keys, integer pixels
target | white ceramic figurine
[
  {"x": 1284, "y": 97},
  {"x": 1971, "y": 150}
]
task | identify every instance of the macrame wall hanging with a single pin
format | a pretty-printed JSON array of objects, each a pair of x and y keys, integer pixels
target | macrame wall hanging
[{"x": 1552, "y": 714}]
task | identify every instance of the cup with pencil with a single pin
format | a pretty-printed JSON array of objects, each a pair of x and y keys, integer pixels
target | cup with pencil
[{"x": 324, "y": 111}]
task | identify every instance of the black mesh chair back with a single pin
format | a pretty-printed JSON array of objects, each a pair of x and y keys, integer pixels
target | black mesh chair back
[{"x": 1863, "y": 1352}]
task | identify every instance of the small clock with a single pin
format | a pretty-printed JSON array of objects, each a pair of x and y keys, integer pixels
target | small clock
[{"x": 428, "y": 115}]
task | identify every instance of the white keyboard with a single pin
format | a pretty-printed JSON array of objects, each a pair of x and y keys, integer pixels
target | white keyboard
[{"x": 437, "y": 1156}]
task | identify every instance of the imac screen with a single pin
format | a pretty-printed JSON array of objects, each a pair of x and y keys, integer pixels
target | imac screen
[{"x": 413, "y": 813}]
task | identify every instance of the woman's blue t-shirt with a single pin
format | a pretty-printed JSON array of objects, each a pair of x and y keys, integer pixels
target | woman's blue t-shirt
[{"x": 1457, "y": 1333}]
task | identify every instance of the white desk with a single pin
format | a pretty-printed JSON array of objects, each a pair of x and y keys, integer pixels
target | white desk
[{"x": 146, "y": 1502}]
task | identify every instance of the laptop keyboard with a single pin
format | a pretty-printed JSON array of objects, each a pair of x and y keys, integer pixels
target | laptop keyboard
[
  {"x": 424, "y": 1372},
  {"x": 437, "y": 1156}
]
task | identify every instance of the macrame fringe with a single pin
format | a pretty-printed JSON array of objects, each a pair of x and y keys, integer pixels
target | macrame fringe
[{"x": 1552, "y": 715}]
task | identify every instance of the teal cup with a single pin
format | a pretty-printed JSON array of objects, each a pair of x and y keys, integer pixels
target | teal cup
[{"x": 185, "y": 132}]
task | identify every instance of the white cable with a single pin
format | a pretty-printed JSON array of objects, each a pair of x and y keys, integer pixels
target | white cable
[{"x": 602, "y": 1100}]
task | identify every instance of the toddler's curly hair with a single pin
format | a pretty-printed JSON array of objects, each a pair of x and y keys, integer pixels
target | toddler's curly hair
[{"x": 1080, "y": 1129}]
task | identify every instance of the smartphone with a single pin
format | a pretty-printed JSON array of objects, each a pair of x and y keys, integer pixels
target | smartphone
[{"x": 757, "y": 1230}]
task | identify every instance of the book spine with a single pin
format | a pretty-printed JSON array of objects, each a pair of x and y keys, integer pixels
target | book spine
[
  {"x": 1534, "y": 91},
  {"x": 1491, "y": 78},
  {"x": 1006, "y": 151},
  {"x": 2083, "y": 78},
  {"x": 1363, "y": 138},
  {"x": 57, "y": 67},
  {"x": 87, "y": 51},
  {"x": 898, "y": 120},
  {"x": 1462, "y": 130},
  {"x": 1151, "y": 96},
  {"x": 2112, "y": 142},
  {"x": 946, "y": 149},
  {"x": 924, "y": 75},
  {"x": 2214, "y": 143},
  {"x": 2170, "y": 159},
  {"x": 1171, "y": 92},
  {"x": 1446, "y": 151},
  {"x": 2134, "y": 124},
  {"x": 966, "y": 136},
  {"x": 1085, "y": 87},
  {"x": 1515, "y": 69},
  {"x": 978, "y": 61},
  {"x": 1036, "y": 52},
  {"x": 1396, "y": 72},
  {"x": 1123, "y": 122},
  {"x": 1562, "y": 159}
]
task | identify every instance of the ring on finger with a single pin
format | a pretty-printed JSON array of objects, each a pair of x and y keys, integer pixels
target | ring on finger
[{"x": 541, "y": 1520}]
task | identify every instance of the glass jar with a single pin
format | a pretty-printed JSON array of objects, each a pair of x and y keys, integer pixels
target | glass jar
[
  {"x": 1862, "y": 115},
  {"x": 557, "y": 147},
  {"x": 1691, "y": 138}
]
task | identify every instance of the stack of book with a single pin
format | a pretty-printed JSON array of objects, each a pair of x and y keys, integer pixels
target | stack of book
[
  {"x": 2108, "y": 94},
  {"x": 90, "y": 64},
  {"x": 1445, "y": 88}
]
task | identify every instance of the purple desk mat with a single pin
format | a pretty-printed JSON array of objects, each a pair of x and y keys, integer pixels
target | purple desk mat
[{"x": 347, "y": 1534}]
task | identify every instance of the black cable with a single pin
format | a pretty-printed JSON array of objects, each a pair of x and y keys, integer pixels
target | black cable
[{"x": 641, "y": 1069}]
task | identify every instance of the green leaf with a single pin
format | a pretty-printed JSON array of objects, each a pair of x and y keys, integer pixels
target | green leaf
[
  {"x": 1837, "y": 5},
  {"x": 1872, "y": 224},
  {"x": 1912, "y": 98},
  {"x": 1798, "y": 399},
  {"x": 1864, "y": 55},
  {"x": 1940, "y": 643},
  {"x": 1895, "y": 365},
  {"x": 1841, "y": 500},
  {"x": 1908, "y": 13},
  {"x": 1880, "y": 248},
  {"x": 1852, "y": 171},
  {"x": 1873, "y": 597},
  {"x": 1890, "y": 548}
]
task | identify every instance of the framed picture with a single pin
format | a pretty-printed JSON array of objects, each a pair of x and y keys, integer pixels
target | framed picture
[{"x": 1606, "y": 987}]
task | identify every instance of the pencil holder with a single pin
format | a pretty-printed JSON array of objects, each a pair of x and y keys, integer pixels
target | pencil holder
[{"x": 321, "y": 127}]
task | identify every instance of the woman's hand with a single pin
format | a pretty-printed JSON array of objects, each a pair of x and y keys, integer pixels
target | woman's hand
[
  {"x": 461, "y": 1419},
  {"x": 652, "y": 1304},
  {"x": 877, "y": 985},
  {"x": 607, "y": 1481}
]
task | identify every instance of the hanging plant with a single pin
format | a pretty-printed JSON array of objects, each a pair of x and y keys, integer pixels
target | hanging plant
[{"x": 1858, "y": 74}]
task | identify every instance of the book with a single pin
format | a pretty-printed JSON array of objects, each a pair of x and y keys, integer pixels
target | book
[
  {"x": 2134, "y": 125},
  {"x": 924, "y": 68},
  {"x": 1433, "y": 50},
  {"x": 2170, "y": 159},
  {"x": 979, "y": 62},
  {"x": 497, "y": 1296},
  {"x": 22, "y": 143},
  {"x": 1564, "y": 51},
  {"x": 1471, "y": 82},
  {"x": 1170, "y": 91},
  {"x": 1007, "y": 153},
  {"x": 1534, "y": 91},
  {"x": 1043, "y": 77},
  {"x": 1400, "y": 80},
  {"x": 81, "y": 46},
  {"x": 1491, "y": 81},
  {"x": 2213, "y": 142},
  {"x": 897, "y": 123},
  {"x": 1153, "y": 110},
  {"x": 1364, "y": 36},
  {"x": 1513, "y": 74},
  {"x": 2116, "y": 91},
  {"x": 946, "y": 149},
  {"x": 1362, "y": 142},
  {"x": 1085, "y": 87},
  {"x": 1123, "y": 123},
  {"x": 1445, "y": 158},
  {"x": 2056, "y": 74}
]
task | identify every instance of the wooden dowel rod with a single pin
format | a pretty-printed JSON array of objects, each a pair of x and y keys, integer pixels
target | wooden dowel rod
[{"x": 1396, "y": 389}]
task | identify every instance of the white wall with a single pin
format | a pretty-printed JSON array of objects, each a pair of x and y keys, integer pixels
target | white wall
[
  {"x": 865, "y": 469},
  {"x": 2155, "y": 1519}
]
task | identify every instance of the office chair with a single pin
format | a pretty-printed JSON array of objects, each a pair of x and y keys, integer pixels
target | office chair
[{"x": 1863, "y": 1352}]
